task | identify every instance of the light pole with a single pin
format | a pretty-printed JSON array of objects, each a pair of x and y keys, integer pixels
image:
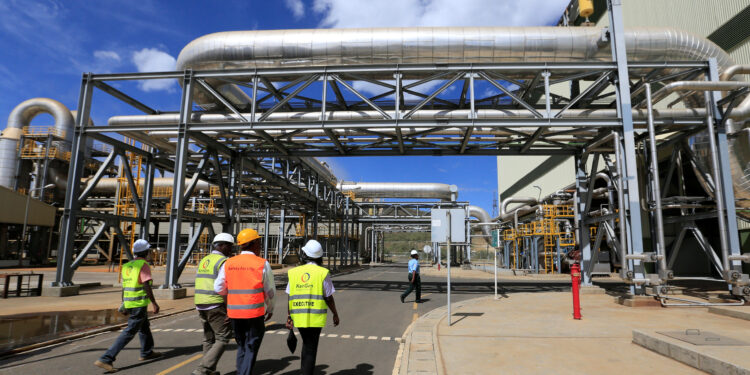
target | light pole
[{"x": 26, "y": 220}]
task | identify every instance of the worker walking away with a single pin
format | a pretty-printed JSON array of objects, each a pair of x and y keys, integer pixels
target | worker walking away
[
  {"x": 247, "y": 281},
  {"x": 136, "y": 295},
  {"x": 310, "y": 293},
  {"x": 211, "y": 306},
  {"x": 414, "y": 280}
]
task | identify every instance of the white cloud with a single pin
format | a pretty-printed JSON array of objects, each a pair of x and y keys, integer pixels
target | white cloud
[
  {"x": 296, "y": 6},
  {"x": 107, "y": 55},
  {"x": 409, "y": 13},
  {"x": 154, "y": 60}
]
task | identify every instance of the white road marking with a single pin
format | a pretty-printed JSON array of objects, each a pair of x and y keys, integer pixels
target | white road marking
[{"x": 284, "y": 332}]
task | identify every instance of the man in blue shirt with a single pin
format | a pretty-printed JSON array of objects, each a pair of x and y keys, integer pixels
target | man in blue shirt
[{"x": 414, "y": 280}]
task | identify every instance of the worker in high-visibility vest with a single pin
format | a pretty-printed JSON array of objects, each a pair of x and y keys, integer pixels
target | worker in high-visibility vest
[
  {"x": 211, "y": 306},
  {"x": 247, "y": 281},
  {"x": 310, "y": 291},
  {"x": 136, "y": 294}
]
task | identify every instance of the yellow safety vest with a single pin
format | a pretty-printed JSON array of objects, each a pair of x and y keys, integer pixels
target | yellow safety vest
[
  {"x": 133, "y": 293},
  {"x": 306, "y": 304},
  {"x": 208, "y": 270}
]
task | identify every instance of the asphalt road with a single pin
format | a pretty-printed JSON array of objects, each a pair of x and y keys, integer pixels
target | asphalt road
[{"x": 366, "y": 342}]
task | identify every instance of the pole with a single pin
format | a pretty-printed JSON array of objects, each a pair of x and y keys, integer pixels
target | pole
[
  {"x": 23, "y": 232},
  {"x": 495, "y": 251},
  {"x": 448, "y": 245}
]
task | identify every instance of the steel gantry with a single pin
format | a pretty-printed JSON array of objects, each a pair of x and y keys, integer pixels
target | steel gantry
[{"x": 256, "y": 148}]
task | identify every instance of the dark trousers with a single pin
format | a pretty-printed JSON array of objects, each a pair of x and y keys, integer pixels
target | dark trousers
[
  {"x": 310, "y": 338},
  {"x": 217, "y": 331},
  {"x": 417, "y": 283},
  {"x": 137, "y": 323},
  {"x": 248, "y": 333}
]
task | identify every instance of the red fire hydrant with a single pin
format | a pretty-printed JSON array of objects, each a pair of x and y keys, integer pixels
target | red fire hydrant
[{"x": 575, "y": 278}]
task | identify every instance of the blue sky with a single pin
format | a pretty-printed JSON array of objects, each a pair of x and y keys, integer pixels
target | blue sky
[{"x": 48, "y": 44}]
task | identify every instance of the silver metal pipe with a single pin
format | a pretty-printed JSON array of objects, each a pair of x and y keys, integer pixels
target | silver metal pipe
[
  {"x": 484, "y": 221},
  {"x": 733, "y": 70},
  {"x": 510, "y": 200},
  {"x": 694, "y": 86},
  {"x": 399, "y": 190},
  {"x": 656, "y": 188},
  {"x": 21, "y": 117},
  {"x": 424, "y": 114}
]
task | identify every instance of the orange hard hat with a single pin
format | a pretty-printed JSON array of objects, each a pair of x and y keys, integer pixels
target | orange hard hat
[{"x": 247, "y": 235}]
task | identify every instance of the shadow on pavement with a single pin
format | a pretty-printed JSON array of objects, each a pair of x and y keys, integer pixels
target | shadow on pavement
[
  {"x": 360, "y": 369},
  {"x": 456, "y": 287}
]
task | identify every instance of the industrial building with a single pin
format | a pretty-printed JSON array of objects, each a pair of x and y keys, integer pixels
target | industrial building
[{"x": 636, "y": 137}]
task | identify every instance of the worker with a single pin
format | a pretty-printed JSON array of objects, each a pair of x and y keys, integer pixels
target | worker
[
  {"x": 414, "y": 280},
  {"x": 136, "y": 295},
  {"x": 310, "y": 293},
  {"x": 247, "y": 281},
  {"x": 212, "y": 307}
]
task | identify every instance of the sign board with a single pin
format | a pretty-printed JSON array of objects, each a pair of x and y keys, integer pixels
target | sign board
[
  {"x": 440, "y": 225},
  {"x": 496, "y": 238},
  {"x": 427, "y": 249}
]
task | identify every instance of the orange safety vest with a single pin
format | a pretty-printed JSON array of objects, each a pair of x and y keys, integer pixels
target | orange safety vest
[{"x": 244, "y": 275}]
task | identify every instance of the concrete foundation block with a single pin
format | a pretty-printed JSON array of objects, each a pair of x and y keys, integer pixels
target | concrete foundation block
[
  {"x": 592, "y": 289},
  {"x": 690, "y": 355},
  {"x": 637, "y": 301},
  {"x": 61, "y": 291},
  {"x": 170, "y": 293}
]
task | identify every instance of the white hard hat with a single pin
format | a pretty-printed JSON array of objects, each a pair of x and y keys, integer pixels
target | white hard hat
[
  {"x": 223, "y": 237},
  {"x": 313, "y": 249},
  {"x": 140, "y": 246},
  {"x": 414, "y": 252}
]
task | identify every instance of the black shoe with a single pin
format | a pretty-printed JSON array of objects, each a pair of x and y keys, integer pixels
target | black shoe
[{"x": 402, "y": 299}]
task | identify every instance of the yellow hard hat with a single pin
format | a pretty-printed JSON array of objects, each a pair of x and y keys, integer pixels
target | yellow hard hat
[{"x": 247, "y": 235}]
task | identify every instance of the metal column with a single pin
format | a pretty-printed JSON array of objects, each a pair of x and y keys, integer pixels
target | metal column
[
  {"x": 624, "y": 108},
  {"x": 178, "y": 188},
  {"x": 64, "y": 275}
]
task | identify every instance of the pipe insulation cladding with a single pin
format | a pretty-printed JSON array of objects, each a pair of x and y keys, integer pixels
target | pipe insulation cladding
[
  {"x": 21, "y": 117},
  {"x": 444, "y": 45}
]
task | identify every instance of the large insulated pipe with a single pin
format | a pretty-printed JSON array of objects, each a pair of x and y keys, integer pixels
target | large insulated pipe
[
  {"x": 484, "y": 218},
  {"x": 426, "y": 190},
  {"x": 21, "y": 117},
  {"x": 429, "y": 45},
  {"x": 109, "y": 185},
  {"x": 510, "y": 200}
]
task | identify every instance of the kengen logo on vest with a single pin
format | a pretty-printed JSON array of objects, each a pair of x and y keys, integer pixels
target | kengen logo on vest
[
  {"x": 205, "y": 264},
  {"x": 127, "y": 271},
  {"x": 305, "y": 277}
]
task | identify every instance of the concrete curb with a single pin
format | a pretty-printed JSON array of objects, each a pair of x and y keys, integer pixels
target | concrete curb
[
  {"x": 80, "y": 335},
  {"x": 686, "y": 354},
  {"x": 421, "y": 354}
]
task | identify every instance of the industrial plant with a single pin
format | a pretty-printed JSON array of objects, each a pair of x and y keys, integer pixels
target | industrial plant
[{"x": 633, "y": 139}]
